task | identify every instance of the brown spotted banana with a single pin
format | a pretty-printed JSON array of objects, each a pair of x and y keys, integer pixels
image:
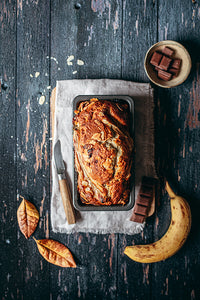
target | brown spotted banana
[{"x": 172, "y": 240}]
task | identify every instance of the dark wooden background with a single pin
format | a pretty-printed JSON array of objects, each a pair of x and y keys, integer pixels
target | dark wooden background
[{"x": 111, "y": 38}]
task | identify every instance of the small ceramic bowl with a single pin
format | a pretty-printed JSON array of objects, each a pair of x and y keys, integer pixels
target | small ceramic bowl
[{"x": 179, "y": 52}]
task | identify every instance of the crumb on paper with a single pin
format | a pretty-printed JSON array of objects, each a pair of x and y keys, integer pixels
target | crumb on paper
[
  {"x": 31, "y": 75},
  {"x": 69, "y": 60},
  {"x": 37, "y": 74},
  {"x": 74, "y": 72},
  {"x": 58, "y": 69},
  {"x": 42, "y": 100},
  {"x": 80, "y": 62}
]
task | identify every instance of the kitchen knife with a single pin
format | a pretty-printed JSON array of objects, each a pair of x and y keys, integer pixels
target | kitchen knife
[{"x": 63, "y": 184}]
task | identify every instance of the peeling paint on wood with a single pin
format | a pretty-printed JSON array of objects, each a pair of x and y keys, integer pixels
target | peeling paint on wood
[
  {"x": 167, "y": 287},
  {"x": 98, "y": 6},
  {"x": 28, "y": 123},
  {"x": 193, "y": 115},
  {"x": 39, "y": 148},
  {"x": 111, "y": 247},
  {"x": 116, "y": 22},
  {"x": 19, "y": 6},
  {"x": 146, "y": 273},
  {"x": 42, "y": 203}
]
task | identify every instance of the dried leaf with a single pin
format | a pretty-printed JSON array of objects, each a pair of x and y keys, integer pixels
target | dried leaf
[
  {"x": 55, "y": 253},
  {"x": 28, "y": 217}
]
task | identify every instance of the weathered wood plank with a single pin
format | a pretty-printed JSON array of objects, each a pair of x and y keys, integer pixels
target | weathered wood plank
[
  {"x": 176, "y": 278},
  {"x": 139, "y": 33},
  {"x": 95, "y": 276},
  {"x": 33, "y": 25},
  {"x": 86, "y": 43},
  {"x": 8, "y": 232}
]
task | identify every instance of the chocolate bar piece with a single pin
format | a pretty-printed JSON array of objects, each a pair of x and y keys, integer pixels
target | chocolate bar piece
[
  {"x": 140, "y": 209},
  {"x": 144, "y": 200},
  {"x": 164, "y": 75},
  {"x": 146, "y": 191},
  {"x": 155, "y": 59},
  {"x": 137, "y": 218},
  {"x": 167, "y": 51},
  {"x": 174, "y": 72},
  {"x": 158, "y": 68},
  {"x": 176, "y": 64},
  {"x": 148, "y": 181},
  {"x": 165, "y": 62}
]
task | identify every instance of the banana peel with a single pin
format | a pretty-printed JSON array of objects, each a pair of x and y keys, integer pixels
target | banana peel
[{"x": 172, "y": 240}]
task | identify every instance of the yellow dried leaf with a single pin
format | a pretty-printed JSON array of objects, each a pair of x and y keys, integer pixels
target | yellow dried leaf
[
  {"x": 28, "y": 217},
  {"x": 55, "y": 253}
]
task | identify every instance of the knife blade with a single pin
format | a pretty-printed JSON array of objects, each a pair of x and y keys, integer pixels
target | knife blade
[{"x": 63, "y": 184}]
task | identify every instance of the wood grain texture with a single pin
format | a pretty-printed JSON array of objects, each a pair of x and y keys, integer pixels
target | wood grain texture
[
  {"x": 139, "y": 33},
  {"x": 45, "y": 41},
  {"x": 91, "y": 34},
  {"x": 8, "y": 219},
  {"x": 67, "y": 201},
  {"x": 32, "y": 80},
  {"x": 179, "y": 131}
]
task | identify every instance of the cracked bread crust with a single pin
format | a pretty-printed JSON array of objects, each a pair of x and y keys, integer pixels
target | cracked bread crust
[{"x": 103, "y": 152}]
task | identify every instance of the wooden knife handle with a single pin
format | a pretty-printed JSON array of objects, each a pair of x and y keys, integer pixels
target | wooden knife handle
[{"x": 67, "y": 201}]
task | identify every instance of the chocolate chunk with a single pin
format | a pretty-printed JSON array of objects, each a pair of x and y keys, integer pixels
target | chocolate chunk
[
  {"x": 174, "y": 72},
  {"x": 140, "y": 210},
  {"x": 176, "y": 64},
  {"x": 167, "y": 51},
  {"x": 165, "y": 62},
  {"x": 143, "y": 200},
  {"x": 148, "y": 181},
  {"x": 155, "y": 59},
  {"x": 146, "y": 191},
  {"x": 157, "y": 68},
  {"x": 137, "y": 218},
  {"x": 90, "y": 151},
  {"x": 164, "y": 75}
]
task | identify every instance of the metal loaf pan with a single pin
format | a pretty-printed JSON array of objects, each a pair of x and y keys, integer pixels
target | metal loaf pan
[{"x": 76, "y": 197}]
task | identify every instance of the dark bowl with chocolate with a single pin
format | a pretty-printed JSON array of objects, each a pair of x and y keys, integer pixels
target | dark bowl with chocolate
[{"x": 167, "y": 64}]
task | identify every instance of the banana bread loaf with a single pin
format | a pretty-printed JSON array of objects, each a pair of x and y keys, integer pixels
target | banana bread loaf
[{"x": 103, "y": 152}]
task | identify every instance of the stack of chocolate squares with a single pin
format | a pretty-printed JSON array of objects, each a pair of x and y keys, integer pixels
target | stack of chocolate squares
[
  {"x": 167, "y": 68},
  {"x": 144, "y": 200}
]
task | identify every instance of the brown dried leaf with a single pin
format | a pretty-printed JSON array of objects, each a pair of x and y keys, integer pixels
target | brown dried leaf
[
  {"x": 55, "y": 253},
  {"x": 28, "y": 217}
]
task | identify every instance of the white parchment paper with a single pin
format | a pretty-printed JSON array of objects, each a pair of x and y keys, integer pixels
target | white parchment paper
[{"x": 66, "y": 91}]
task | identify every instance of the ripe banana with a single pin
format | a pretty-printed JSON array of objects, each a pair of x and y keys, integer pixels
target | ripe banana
[{"x": 173, "y": 239}]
